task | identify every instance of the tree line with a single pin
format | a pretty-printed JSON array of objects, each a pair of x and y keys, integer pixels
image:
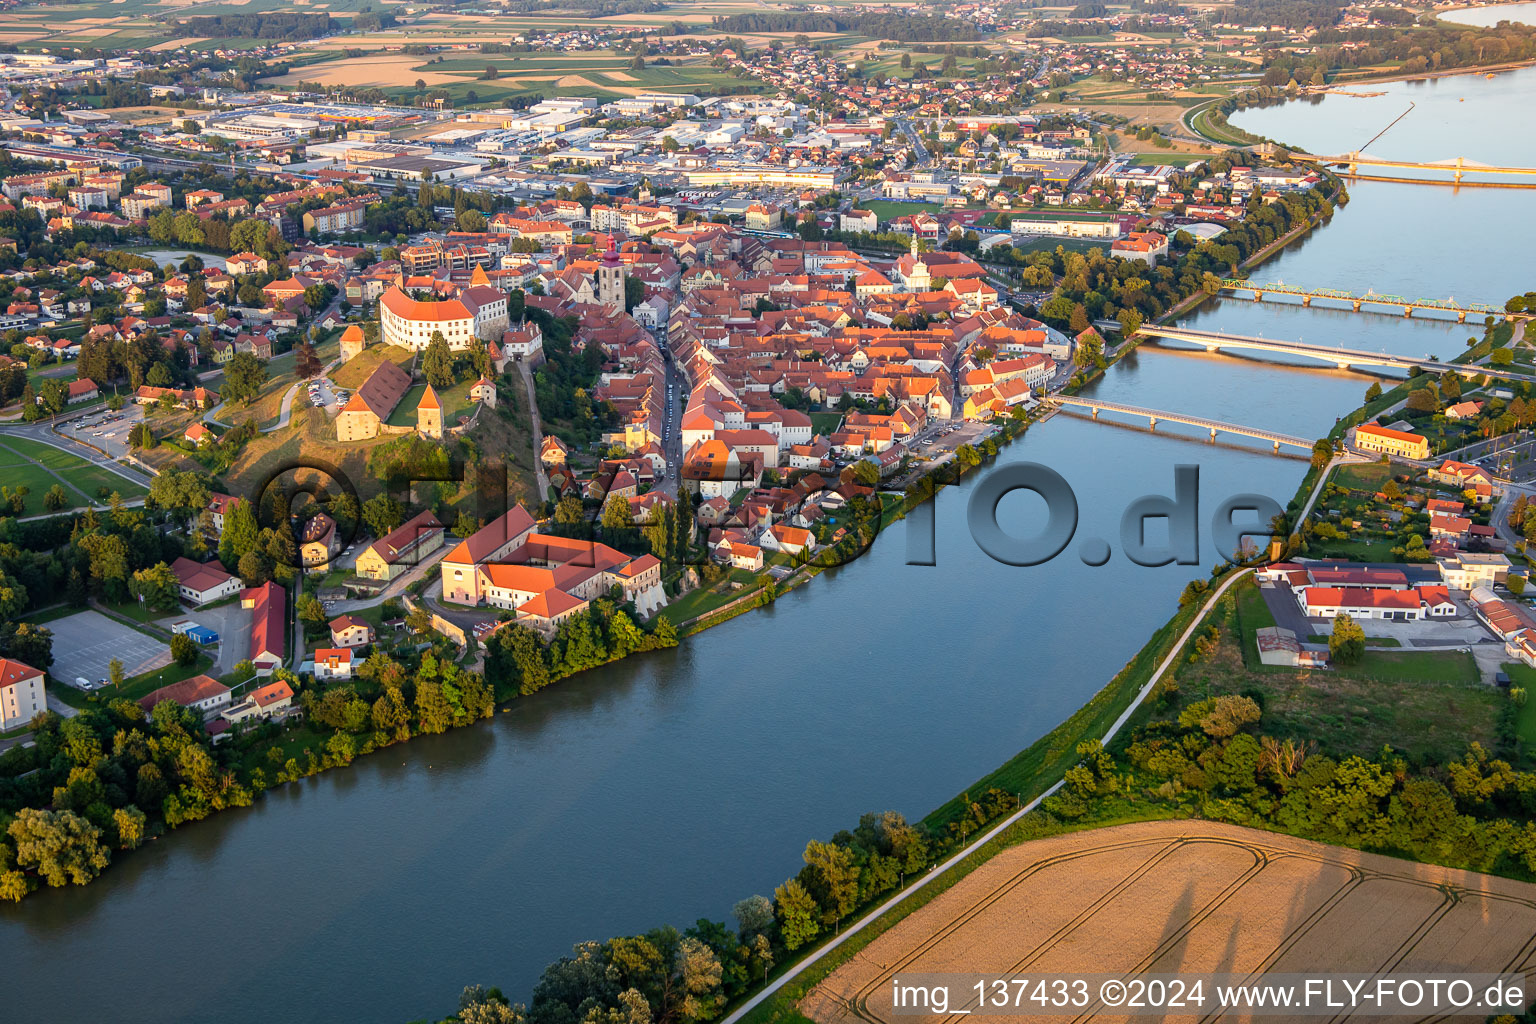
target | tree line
[{"x": 1191, "y": 756}]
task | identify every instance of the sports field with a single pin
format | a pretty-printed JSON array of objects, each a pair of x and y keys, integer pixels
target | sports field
[{"x": 1188, "y": 897}]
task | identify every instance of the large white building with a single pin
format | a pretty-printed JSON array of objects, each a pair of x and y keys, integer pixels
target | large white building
[{"x": 480, "y": 311}]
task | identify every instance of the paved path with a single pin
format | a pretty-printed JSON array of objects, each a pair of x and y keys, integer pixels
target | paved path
[
  {"x": 285, "y": 411},
  {"x": 396, "y": 586},
  {"x": 538, "y": 432},
  {"x": 965, "y": 851},
  {"x": 1342, "y": 459}
]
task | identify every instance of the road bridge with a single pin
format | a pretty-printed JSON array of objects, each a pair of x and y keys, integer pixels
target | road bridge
[
  {"x": 1456, "y": 166},
  {"x": 1343, "y": 358},
  {"x": 1154, "y": 416},
  {"x": 1357, "y": 301}
]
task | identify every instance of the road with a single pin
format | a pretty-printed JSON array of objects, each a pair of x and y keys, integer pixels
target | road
[
  {"x": 920, "y": 151},
  {"x": 1168, "y": 662},
  {"x": 42, "y": 432},
  {"x": 672, "y": 431},
  {"x": 396, "y": 587}
]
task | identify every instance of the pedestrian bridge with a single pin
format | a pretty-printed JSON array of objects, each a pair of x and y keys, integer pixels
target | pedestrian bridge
[
  {"x": 1154, "y": 416},
  {"x": 1369, "y": 298}
]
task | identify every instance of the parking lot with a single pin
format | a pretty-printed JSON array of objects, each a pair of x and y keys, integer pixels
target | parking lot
[
  {"x": 86, "y": 642},
  {"x": 106, "y": 430},
  {"x": 325, "y": 395},
  {"x": 231, "y": 622}
]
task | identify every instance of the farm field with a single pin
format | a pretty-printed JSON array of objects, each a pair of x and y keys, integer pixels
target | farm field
[
  {"x": 1187, "y": 897},
  {"x": 604, "y": 74}
]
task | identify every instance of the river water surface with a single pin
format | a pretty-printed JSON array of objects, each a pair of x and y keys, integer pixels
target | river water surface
[{"x": 666, "y": 787}]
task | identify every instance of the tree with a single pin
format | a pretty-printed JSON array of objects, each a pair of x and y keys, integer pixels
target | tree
[
  {"x": 244, "y": 376},
  {"x": 754, "y": 915},
  {"x": 437, "y": 362},
  {"x": 1373, "y": 392},
  {"x": 239, "y": 534},
  {"x": 55, "y": 498},
  {"x": 569, "y": 511},
  {"x": 698, "y": 971},
  {"x": 383, "y": 513},
  {"x": 131, "y": 825},
  {"x": 115, "y": 673},
  {"x": 1423, "y": 400},
  {"x": 157, "y": 587},
  {"x": 60, "y": 845},
  {"x": 617, "y": 514},
  {"x": 184, "y": 649},
  {"x": 797, "y": 914},
  {"x": 254, "y": 567},
  {"x": 1346, "y": 644},
  {"x": 306, "y": 363},
  {"x": 1322, "y": 452},
  {"x": 832, "y": 879}
]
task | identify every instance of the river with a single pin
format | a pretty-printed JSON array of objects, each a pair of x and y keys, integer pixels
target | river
[
  {"x": 1491, "y": 15},
  {"x": 666, "y": 787}
]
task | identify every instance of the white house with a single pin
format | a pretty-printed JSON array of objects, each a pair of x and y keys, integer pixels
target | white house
[{"x": 22, "y": 695}]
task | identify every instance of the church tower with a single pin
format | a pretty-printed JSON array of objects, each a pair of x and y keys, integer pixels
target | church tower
[
  {"x": 429, "y": 415},
  {"x": 610, "y": 280}
]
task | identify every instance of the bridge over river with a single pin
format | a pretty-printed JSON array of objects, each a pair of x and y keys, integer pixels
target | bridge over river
[
  {"x": 1154, "y": 416},
  {"x": 1358, "y": 300},
  {"x": 1343, "y": 358}
]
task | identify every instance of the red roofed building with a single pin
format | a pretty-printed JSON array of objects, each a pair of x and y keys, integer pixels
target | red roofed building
[
  {"x": 1360, "y": 603},
  {"x": 21, "y": 693},
  {"x": 200, "y": 693},
  {"x": 490, "y": 543},
  {"x": 410, "y": 323},
  {"x": 269, "y": 626},
  {"x": 333, "y": 663},
  {"x": 1372, "y": 437}
]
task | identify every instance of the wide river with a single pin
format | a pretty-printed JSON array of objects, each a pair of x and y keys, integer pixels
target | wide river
[{"x": 669, "y": 786}]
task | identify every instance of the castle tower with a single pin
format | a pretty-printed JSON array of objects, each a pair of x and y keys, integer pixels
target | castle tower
[
  {"x": 429, "y": 415},
  {"x": 610, "y": 280},
  {"x": 353, "y": 341},
  {"x": 479, "y": 277}
]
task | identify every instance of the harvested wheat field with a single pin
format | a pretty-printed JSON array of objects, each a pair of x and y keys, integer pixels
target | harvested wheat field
[
  {"x": 379, "y": 71},
  {"x": 1188, "y": 897}
]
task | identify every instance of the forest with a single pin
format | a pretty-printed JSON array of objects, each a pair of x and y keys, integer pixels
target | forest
[{"x": 280, "y": 27}]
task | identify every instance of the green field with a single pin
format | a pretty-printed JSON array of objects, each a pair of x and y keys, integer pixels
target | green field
[
  {"x": 887, "y": 209},
  {"x": 1525, "y": 722},
  {"x": 81, "y": 479},
  {"x": 1427, "y": 704}
]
